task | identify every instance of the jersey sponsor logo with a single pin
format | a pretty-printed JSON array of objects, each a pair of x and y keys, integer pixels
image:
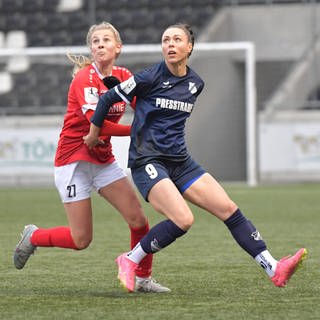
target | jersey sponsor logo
[
  {"x": 91, "y": 95},
  {"x": 117, "y": 108},
  {"x": 192, "y": 87},
  {"x": 174, "y": 105},
  {"x": 128, "y": 85}
]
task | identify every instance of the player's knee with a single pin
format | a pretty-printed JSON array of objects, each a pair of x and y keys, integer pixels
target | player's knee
[
  {"x": 232, "y": 208},
  {"x": 136, "y": 220},
  {"x": 82, "y": 242},
  {"x": 229, "y": 209},
  {"x": 186, "y": 223}
]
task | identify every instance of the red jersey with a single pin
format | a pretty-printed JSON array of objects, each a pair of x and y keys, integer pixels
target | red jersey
[{"x": 84, "y": 92}]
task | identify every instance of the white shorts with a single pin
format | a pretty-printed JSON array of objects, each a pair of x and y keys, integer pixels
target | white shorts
[{"x": 75, "y": 181}]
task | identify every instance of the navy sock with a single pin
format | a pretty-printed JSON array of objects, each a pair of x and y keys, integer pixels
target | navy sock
[
  {"x": 160, "y": 236},
  {"x": 245, "y": 233}
]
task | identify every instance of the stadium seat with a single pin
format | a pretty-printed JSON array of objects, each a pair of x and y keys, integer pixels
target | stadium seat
[
  {"x": 104, "y": 15},
  {"x": 16, "y": 39},
  {"x": 28, "y": 100},
  {"x": 50, "y": 99},
  {"x": 18, "y": 20},
  {"x": 10, "y": 6},
  {"x": 78, "y": 22},
  {"x": 39, "y": 24},
  {"x": 69, "y": 5},
  {"x": 61, "y": 38},
  {"x": 50, "y": 6},
  {"x": 39, "y": 39},
  {"x": 141, "y": 18},
  {"x": 150, "y": 35},
  {"x": 9, "y": 101},
  {"x": 121, "y": 19},
  {"x": 32, "y": 6},
  {"x": 129, "y": 36},
  {"x": 163, "y": 17},
  {"x": 156, "y": 5},
  {"x": 77, "y": 38},
  {"x": 5, "y": 82},
  {"x": 26, "y": 79},
  {"x": 3, "y": 23},
  {"x": 56, "y": 22},
  {"x": 18, "y": 64},
  {"x": 2, "y": 39}
]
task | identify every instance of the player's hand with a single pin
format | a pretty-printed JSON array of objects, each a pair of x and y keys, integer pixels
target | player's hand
[
  {"x": 92, "y": 138},
  {"x": 92, "y": 141},
  {"x": 110, "y": 81}
]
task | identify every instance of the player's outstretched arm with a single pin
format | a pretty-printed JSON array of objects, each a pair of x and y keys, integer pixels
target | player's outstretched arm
[{"x": 110, "y": 128}]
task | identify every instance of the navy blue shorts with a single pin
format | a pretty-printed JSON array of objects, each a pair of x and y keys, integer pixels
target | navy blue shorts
[{"x": 182, "y": 173}]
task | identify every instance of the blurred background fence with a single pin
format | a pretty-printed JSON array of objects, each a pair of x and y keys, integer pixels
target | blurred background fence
[{"x": 285, "y": 37}]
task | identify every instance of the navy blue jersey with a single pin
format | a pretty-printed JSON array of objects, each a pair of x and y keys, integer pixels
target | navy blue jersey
[{"x": 164, "y": 102}]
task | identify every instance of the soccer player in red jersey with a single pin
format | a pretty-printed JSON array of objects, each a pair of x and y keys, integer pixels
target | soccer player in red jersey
[{"x": 79, "y": 170}]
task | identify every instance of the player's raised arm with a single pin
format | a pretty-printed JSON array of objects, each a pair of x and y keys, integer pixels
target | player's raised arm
[{"x": 110, "y": 128}]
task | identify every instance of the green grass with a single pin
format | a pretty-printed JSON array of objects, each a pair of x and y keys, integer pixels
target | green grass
[{"x": 210, "y": 277}]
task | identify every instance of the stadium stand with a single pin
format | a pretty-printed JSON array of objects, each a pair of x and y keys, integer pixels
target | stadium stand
[{"x": 41, "y": 23}]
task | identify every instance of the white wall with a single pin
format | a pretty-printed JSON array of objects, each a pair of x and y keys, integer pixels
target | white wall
[
  {"x": 290, "y": 147},
  {"x": 27, "y": 150}
]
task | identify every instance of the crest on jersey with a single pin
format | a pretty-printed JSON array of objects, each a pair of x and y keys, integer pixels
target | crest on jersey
[
  {"x": 166, "y": 85},
  {"x": 91, "y": 95},
  {"x": 192, "y": 87}
]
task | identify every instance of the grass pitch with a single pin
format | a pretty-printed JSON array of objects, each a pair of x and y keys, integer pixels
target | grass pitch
[{"x": 210, "y": 276}]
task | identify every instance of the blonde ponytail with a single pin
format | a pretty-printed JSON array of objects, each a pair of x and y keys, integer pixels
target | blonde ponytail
[{"x": 79, "y": 61}]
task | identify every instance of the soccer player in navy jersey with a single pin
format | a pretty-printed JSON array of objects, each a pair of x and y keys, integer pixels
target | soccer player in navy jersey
[{"x": 161, "y": 167}]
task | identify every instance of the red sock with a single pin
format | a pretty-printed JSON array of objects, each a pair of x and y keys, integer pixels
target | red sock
[
  {"x": 53, "y": 237},
  {"x": 145, "y": 266}
]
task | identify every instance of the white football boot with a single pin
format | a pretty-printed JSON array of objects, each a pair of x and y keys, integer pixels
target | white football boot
[
  {"x": 24, "y": 248},
  {"x": 149, "y": 285}
]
